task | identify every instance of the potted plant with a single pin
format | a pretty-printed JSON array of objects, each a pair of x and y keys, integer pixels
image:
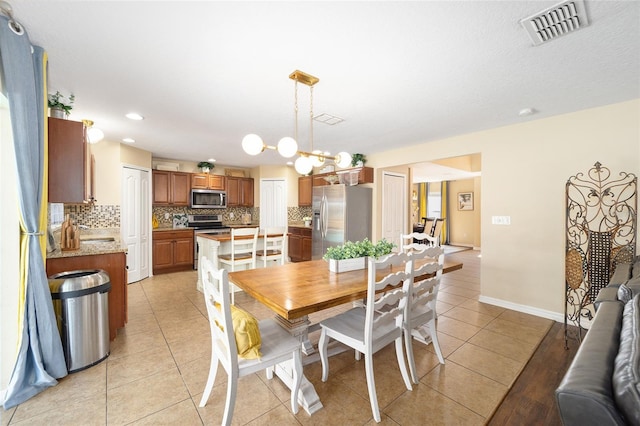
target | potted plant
[
  {"x": 205, "y": 166},
  {"x": 358, "y": 160},
  {"x": 57, "y": 105},
  {"x": 352, "y": 256}
]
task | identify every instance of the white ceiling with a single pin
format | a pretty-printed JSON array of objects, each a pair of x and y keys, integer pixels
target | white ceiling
[{"x": 204, "y": 74}]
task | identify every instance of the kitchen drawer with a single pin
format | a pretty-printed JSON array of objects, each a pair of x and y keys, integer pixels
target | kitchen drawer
[{"x": 173, "y": 234}]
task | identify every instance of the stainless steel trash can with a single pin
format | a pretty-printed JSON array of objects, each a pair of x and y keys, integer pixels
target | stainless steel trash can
[{"x": 81, "y": 304}]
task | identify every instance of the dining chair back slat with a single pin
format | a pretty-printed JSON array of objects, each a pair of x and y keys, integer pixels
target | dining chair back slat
[{"x": 243, "y": 251}]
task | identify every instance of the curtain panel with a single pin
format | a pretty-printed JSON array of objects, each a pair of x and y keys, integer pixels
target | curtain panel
[{"x": 40, "y": 360}]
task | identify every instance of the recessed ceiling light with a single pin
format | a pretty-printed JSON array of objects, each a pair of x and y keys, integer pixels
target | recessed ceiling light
[
  {"x": 128, "y": 140},
  {"x": 134, "y": 116},
  {"x": 211, "y": 160},
  {"x": 526, "y": 111}
]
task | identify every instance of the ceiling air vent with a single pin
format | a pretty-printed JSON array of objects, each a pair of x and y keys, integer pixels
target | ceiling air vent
[
  {"x": 329, "y": 119},
  {"x": 559, "y": 20}
]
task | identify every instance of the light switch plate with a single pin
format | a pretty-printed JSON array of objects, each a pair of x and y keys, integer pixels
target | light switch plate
[{"x": 501, "y": 220}]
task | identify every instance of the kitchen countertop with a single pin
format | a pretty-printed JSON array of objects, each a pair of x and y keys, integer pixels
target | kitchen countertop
[{"x": 90, "y": 243}]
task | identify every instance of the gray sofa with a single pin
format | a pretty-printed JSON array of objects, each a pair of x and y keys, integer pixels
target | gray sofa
[{"x": 602, "y": 384}]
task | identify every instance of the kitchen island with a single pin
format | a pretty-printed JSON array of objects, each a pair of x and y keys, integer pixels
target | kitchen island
[
  {"x": 212, "y": 245},
  {"x": 99, "y": 249}
]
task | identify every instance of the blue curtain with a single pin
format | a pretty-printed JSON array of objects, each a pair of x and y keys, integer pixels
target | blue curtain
[{"x": 40, "y": 359}]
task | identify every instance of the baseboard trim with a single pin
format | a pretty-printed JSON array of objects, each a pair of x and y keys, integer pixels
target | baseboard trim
[{"x": 555, "y": 316}]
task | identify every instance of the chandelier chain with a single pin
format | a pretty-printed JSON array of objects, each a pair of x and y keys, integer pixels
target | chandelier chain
[{"x": 311, "y": 118}]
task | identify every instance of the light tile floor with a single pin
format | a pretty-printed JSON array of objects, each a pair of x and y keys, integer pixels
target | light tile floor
[{"x": 159, "y": 363}]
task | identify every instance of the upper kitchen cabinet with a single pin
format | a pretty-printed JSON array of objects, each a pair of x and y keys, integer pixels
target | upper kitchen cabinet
[
  {"x": 239, "y": 192},
  {"x": 171, "y": 188},
  {"x": 305, "y": 191},
  {"x": 207, "y": 181},
  {"x": 70, "y": 163}
]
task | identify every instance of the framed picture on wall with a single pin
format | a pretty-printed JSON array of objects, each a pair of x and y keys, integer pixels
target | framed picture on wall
[{"x": 465, "y": 200}]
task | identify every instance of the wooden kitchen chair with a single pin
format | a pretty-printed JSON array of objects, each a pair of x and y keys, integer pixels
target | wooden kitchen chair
[
  {"x": 243, "y": 250},
  {"x": 372, "y": 327},
  {"x": 276, "y": 344},
  {"x": 274, "y": 246},
  {"x": 420, "y": 309}
]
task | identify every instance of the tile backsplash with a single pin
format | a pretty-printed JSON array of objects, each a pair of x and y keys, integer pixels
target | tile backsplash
[
  {"x": 94, "y": 216},
  {"x": 108, "y": 216}
]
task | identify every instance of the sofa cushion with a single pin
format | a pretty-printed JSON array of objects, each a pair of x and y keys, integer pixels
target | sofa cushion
[
  {"x": 626, "y": 373},
  {"x": 585, "y": 395},
  {"x": 634, "y": 285},
  {"x": 624, "y": 293},
  {"x": 607, "y": 294},
  {"x": 621, "y": 274}
]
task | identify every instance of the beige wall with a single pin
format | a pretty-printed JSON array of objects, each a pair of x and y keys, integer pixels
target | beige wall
[
  {"x": 462, "y": 230},
  {"x": 524, "y": 170},
  {"x": 277, "y": 172},
  {"x": 135, "y": 157},
  {"x": 107, "y": 172}
]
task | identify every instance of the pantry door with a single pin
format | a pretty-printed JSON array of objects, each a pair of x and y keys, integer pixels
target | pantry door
[
  {"x": 135, "y": 222},
  {"x": 394, "y": 207},
  {"x": 273, "y": 203}
]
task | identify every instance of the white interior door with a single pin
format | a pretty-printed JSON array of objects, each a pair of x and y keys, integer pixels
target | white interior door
[
  {"x": 135, "y": 222},
  {"x": 394, "y": 206},
  {"x": 273, "y": 203}
]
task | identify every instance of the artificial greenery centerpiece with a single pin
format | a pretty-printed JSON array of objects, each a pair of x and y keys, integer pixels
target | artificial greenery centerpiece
[
  {"x": 351, "y": 250},
  {"x": 57, "y": 101},
  {"x": 352, "y": 256},
  {"x": 358, "y": 158}
]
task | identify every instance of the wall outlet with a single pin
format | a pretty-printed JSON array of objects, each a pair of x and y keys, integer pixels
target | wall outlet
[
  {"x": 167, "y": 216},
  {"x": 231, "y": 215},
  {"x": 501, "y": 220}
]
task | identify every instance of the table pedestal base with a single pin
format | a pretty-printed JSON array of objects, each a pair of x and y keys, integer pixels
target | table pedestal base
[{"x": 308, "y": 396}]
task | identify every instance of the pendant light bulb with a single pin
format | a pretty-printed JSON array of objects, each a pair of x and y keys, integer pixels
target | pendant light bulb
[
  {"x": 343, "y": 160},
  {"x": 318, "y": 159},
  {"x": 303, "y": 165},
  {"x": 287, "y": 147},
  {"x": 94, "y": 135},
  {"x": 252, "y": 144}
]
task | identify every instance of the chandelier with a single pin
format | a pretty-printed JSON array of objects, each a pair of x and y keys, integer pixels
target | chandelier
[{"x": 253, "y": 144}]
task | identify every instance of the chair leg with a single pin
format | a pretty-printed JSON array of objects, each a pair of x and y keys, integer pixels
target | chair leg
[
  {"x": 402, "y": 364},
  {"x": 434, "y": 340},
  {"x": 408, "y": 344},
  {"x": 371, "y": 386},
  {"x": 297, "y": 380},
  {"x": 213, "y": 369},
  {"x": 232, "y": 387},
  {"x": 322, "y": 348}
]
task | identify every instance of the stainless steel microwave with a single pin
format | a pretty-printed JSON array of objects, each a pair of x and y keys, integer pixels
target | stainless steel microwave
[{"x": 208, "y": 199}]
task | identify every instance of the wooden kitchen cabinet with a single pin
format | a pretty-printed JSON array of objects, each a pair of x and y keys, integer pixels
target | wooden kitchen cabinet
[
  {"x": 171, "y": 188},
  {"x": 172, "y": 250},
  {"x": 239, "y": 192},
  {"x": 305, "y": 191},
  {"x": 115, "y": 265},
  {"x": 70, "y": 163},
  {"x": 300, "y": 242},
  {"x": 207, "y": 181}
]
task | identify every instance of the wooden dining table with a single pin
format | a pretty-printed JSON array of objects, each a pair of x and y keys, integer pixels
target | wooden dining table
[{"x": 296, "y": 290}]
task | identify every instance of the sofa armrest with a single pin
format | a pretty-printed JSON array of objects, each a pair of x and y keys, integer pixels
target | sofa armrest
[{"x": 585, "y": 395}]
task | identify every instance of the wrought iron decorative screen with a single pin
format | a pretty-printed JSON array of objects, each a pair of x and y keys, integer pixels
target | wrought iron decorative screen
[{"x": 601, "y": 232}]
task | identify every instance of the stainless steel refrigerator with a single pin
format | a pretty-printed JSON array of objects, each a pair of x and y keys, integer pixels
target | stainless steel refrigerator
[{"x": 340, "y": 213}]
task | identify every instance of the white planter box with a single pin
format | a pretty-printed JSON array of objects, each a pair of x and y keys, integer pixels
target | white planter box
[{"x": 346, "y": 265}]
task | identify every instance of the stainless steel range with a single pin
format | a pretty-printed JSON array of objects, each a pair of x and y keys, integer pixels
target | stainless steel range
[{"x": 205, "y": 224}]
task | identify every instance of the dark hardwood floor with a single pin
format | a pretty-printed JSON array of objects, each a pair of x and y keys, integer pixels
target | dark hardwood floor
[{"x": 531, "y": 399}]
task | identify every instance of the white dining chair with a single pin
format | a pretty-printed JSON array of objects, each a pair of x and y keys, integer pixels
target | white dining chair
[
  {"x": 274, "y": 246},
  {"x": 277, "y": 345},
  {"x": 420, "y": 310},
  {"x": 369, "y": 329},
  {"x": 243, "y": 251}
]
